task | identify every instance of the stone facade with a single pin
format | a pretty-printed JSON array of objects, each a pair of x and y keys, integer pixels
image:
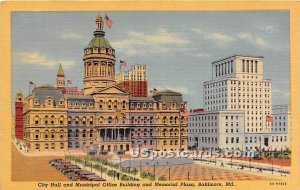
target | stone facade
[{"x": 106, "y": 117}]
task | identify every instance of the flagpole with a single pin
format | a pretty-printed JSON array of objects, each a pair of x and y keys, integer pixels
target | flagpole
[{"x": 29, "y": 88}]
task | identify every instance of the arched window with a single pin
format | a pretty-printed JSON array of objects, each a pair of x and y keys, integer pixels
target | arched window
[
  {"x": 76, "y": 120},
  {"x": 164, "y": 120},
  {"x": 77, "y": 145},
  {"x": 109, "y": 104},
  {"x": 101, "y": 120},
  {"x": 52, "y": 134},
  {"x": 103, "y": 69},
  {"x": 61, "y": 120},
  {"x": 176, "y": 120},
  {"x": 76, "y": 133},
  {"x": 109, "y": 119},
  {"x": 46, "y": 134},
  {"x": 36, "y": 134},
  {"x": 91, "y": 133},
  {"x": 52, "y": 119},
  {"x": 46, "y": 146},
  {"x": 90, "y": 69},
  {"x": 145, "y": 119},
  {"x": 164, "y": 132},
  {"x": 70, "y": 133},
  {"x": 36, "y": 120},
  {"x": 70, "y": 120},
  {"x": 46, "y": 120},
  {"x": 84, "y": 120},
  {"x": 52, "y": 146},
  {"x": 96, "y": 69},
  {"x": 124, "y": 104},
  {"x": 151, "y": 120},
  {"x": 84, "y": 133},
  {"x": 115, "y": 104},
  {"x": 91, "y": 120},
  {"x": 132, "y": 120},
  {"x": 61, "y": 134},
  {"x": 101, "y": 104},
  {"x": 171, "y": 120}
]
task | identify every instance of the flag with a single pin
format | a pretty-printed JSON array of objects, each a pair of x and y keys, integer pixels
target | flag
[
  {"x": 269, "y": 119},
  {"x": 69, "y": 81},
  {"x": 123, "y": 63},
  {"x": 108, "y": 22},
  {"x": 32, "y": 84},
  {"x": 184, "y": 112},
  {"x": 155, "y": 91}
]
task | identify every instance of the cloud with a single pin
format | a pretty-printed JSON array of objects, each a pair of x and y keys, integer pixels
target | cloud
[
  {"x": 136, "y": 42},
  {"x": 35, "y": 58},
  {"x": 196, "y": 30},
  {"x": 71, "y": 36},
  {"x": 220, "y": 38},
  {"x": 259, "y": 42}
]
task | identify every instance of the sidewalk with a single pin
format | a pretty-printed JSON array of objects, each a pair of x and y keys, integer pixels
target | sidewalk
[{"x": 247, "y": 170}]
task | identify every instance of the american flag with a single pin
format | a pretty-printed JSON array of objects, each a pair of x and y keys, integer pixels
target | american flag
[
  {"x": 108, "y": 22},
  {"x": 32, "y": 84},
  {"x": 123, "y": 63},
  {"x": 184, "y": 112},
  {"x": 269, "y": 119},
  {"x": 69, "y": 81}
]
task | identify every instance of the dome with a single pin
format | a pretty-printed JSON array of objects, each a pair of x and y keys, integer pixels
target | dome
[{"x": 99, "y": 41}]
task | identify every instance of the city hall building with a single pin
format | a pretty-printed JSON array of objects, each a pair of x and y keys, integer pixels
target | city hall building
[{"x": 104, "y": 116}]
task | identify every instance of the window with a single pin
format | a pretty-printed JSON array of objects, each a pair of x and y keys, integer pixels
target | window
[
  {"x": 61, "y": 120},
  {"x": 76, "y": 120},
  {"x": 36, "y": 120},
  {"x": 91, "y": 120},
  {"x": 69, "y": 120}
]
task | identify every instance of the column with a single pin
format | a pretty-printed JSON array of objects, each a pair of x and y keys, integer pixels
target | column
[
  {"x": 124, "y": 136},
  {"x": 118, "y": 134}
]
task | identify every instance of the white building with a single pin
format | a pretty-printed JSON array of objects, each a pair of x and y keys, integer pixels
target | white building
[
  {"x": 238, "y": 85},
  {"x": 281, "y": 127},
  {"x": 216, "y": 129},
  {"x": 136, "y": 73}
]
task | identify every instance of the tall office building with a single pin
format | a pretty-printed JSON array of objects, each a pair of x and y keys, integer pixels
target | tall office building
[
  {"x": 134, "y": 81},
  {"x": 238, "y": 86}
]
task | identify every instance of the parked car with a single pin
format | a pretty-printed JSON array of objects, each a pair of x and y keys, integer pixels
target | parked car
[
  {"x": 103, "y": 152},
  {"x": 121, "y": 152},
  {"x": 92, "y": 153}
]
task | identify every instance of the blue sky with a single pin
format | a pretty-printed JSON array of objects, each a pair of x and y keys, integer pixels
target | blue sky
[{"x": 177, "y": 47}]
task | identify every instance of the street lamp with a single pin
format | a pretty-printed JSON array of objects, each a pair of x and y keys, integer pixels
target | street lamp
[
  {"x": 188, "y": 176},
  {"x": 169, "y": 170}
]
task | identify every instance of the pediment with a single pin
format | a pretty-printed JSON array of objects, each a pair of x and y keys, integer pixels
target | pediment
[{"x": 112, "y": 90}]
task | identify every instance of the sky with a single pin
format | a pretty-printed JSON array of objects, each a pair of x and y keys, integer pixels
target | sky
[{"x": 177, "y": 47}]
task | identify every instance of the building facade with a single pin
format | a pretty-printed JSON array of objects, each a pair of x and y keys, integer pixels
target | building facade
[
  {"x": 106, "y": 116},
  {"x": 19, "y": 120},
  {"x": 237, "y": 85},
  {"x": 134, "y": 81}
]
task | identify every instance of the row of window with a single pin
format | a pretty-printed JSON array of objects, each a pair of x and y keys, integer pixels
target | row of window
[
  {"x": 47, "y": 147},
  {"x": 47, "y": 120}
]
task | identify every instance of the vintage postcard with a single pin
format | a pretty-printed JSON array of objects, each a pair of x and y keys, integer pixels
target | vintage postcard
[{"x": 128, "y": 95}]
